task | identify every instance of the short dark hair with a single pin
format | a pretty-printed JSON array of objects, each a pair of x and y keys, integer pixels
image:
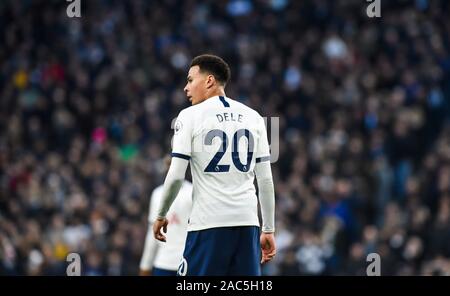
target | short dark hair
[{"x": 213, "y": 65}]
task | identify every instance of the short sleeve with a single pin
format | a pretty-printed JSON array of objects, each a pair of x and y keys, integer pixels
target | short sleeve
[
  {"x": 182, "y": 139},
  {"x": 263, "y": 149}
]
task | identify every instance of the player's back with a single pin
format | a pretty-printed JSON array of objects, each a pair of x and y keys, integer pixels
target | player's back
[{"x": 227, "y": 138}]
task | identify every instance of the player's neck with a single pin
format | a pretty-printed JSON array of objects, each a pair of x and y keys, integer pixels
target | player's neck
[{"x": 215, "y": 93}]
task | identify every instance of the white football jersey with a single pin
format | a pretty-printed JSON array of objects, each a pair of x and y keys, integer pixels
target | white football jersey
[
  {"x": 170, "y": 253},
  {"x": 223, "y": 139}
]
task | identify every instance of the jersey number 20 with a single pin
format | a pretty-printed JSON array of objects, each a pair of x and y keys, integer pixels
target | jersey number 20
[{"x": 214, "y": 166}]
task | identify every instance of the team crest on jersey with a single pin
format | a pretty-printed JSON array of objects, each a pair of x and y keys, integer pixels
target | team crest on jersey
[
  {"x": 183, "y": 268},
  {"x": 178, "y": 126}
]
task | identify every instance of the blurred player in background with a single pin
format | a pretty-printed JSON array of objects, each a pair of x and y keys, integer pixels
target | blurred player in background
[
  {"x": 226, "y": 144},
  {"x": 163, "y": 259}
]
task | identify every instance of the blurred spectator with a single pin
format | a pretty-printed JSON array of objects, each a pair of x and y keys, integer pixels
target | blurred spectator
[{"x": 87, "y": 104}]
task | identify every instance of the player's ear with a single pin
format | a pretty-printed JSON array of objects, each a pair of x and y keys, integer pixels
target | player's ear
[{"x": 210, "y": 80}]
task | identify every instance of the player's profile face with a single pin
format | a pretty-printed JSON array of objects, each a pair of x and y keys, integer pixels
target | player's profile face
[{"x": 195, "y": 86}]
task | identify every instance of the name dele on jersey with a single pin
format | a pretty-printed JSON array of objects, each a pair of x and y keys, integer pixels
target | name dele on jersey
[{"x": 225, "y": 116}]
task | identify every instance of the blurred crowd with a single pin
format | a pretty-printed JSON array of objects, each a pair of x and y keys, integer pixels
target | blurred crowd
[{"x": 86, "y": 107}]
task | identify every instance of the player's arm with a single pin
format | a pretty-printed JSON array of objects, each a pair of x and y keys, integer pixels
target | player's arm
[
  {"x": 172, "y": 184},
  {"x": 267, "y": 202},
  {"x": 149, "y": 254},
  {"x": 151, "y": 244},
  {"x": 266, "y": 191},
  {"x": 181, "y": 153},
  {"x": 263, "y": 173}
]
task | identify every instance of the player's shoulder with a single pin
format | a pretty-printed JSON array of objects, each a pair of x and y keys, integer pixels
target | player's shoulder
[
  {"x": 187, "y": 184},
  {"x": 158, "y": 190},
  {"x": 156, "y": 196},
  {"x": 186, "y": 117},
  {"x": 192, "y": 113},
  {"x": 186, "y": 112},
  {"x": 248, "y": 110}
]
